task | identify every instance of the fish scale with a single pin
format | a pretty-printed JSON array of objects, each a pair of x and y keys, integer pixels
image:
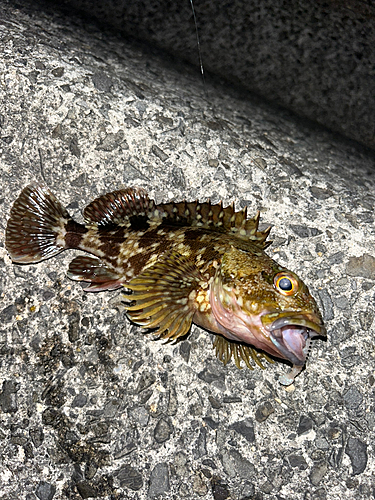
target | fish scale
[{"x": 181, "y": 263}]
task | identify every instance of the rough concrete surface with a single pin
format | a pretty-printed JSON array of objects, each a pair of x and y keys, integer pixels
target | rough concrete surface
[
  {"x": 91, "y": 407},
  {"x": 315, "y": 57}
]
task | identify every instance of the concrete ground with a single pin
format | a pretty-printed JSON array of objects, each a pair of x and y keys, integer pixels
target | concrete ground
[{"x": 91, "y": 407}]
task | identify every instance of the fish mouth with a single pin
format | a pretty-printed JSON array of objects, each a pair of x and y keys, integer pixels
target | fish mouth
[{"x": 291, "y": 333}]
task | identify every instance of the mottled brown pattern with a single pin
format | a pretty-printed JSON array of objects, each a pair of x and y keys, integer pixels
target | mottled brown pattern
[
  {"x": 138, "y": 262},
  {"x": 149, "y": 237},
  {"x": 109, "y": 242},
  {"x": 74, "y": 234}
]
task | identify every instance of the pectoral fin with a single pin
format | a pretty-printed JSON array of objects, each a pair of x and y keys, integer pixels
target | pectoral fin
[
  {"x": 225, "y": 349},
  {"x": 95, "y": 272},
  {"x": 164, "y": 296}
]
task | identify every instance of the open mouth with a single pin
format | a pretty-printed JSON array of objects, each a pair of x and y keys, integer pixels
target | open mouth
[{"x": 292, "y": 333}]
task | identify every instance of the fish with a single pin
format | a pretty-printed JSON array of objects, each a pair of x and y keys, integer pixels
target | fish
[{"x": 179, "y": 263}]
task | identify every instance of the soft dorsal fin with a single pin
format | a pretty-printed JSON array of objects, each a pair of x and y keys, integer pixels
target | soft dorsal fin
[
  {"x": 118, "y": 206},
  {"x": 217, "y": 218}
]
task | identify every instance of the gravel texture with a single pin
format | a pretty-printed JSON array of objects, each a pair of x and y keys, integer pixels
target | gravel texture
[{"x": 90, "y": 407}]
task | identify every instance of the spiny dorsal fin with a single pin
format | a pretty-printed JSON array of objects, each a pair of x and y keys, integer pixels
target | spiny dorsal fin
[
  {"x": 117, "y": 207},
  {"x": 215, "y": 217}
]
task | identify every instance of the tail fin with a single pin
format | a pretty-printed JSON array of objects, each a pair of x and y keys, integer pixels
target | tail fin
[{"x": 36, "y": 227}]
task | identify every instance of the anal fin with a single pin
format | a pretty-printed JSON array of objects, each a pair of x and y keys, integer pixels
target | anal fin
[
  {"x": 164, "y": 296},
  {"x": 225, "y": 349},
  {"x": 95, "y": 272}
]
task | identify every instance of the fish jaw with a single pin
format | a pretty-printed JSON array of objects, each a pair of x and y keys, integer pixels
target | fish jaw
[
  {"x": 284, "y": 334},
  {"x": 292, "y": 332}
]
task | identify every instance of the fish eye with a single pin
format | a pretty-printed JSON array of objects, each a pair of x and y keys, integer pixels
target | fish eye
[{"x": 286, "y": 285}]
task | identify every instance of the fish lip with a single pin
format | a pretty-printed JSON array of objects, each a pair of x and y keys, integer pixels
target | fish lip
[
  {"x": 291, "y": 333},
  {"x": 311, "y": 322}
]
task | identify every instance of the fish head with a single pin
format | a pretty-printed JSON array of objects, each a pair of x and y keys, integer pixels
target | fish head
[{"x": 259, "y": 302}]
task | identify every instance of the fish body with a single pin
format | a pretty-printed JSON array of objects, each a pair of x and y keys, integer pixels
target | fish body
[{"x": 183, "y": 262}]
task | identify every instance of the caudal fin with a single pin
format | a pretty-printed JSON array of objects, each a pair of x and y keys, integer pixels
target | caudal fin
[{"x": 36, "y": 227}]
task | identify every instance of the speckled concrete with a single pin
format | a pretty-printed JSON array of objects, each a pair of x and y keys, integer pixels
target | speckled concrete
[{"x": 93, "y": 408}]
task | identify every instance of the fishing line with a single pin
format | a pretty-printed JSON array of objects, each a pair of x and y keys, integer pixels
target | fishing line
[{"x": 199, "y": 48}]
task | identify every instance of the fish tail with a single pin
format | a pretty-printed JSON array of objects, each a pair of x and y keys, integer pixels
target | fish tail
[{"x": 36, "y": 227}]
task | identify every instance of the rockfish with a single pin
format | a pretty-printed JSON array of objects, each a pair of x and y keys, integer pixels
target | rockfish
[{"x": 183, "y": 263}]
